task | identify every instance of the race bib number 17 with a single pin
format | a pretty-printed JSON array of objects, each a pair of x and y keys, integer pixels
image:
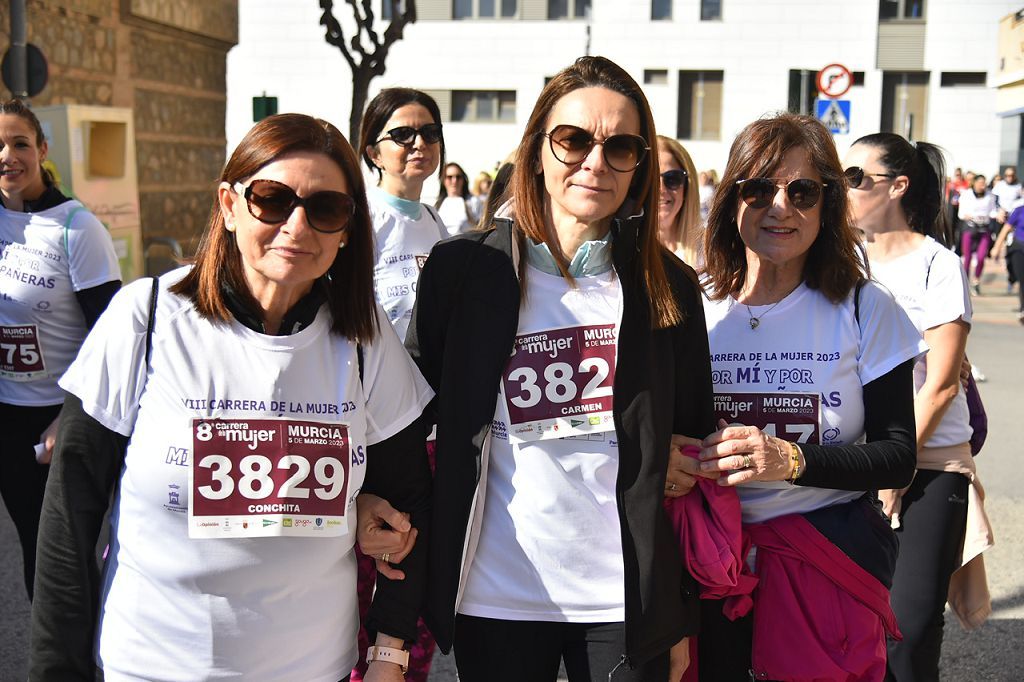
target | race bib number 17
[
  {"x": 558, "y": 383},
  {"x": 791, "y": 416},
  {"x": 267, "y": 477}
]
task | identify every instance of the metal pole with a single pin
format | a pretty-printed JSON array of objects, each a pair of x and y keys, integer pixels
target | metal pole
[{"x": 19, "y": 51}]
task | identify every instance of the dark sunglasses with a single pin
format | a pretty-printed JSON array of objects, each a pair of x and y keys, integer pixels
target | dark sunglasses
[
  {"x": 272, "y": 202},
  {"x": 855, "y": 176},
  {"x": 674, "y": 179},
  {"x": 803, "y": 193},
  {"x": 406, "y": 135},
  {"x": 571, "y": 145}
]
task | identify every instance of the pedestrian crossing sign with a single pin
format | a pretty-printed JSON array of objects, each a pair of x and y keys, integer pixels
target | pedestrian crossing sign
[{"x": 835, "y": 114}]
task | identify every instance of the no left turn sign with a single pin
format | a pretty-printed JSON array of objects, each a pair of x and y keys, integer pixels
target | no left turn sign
[{"x": 834, "y": 80}]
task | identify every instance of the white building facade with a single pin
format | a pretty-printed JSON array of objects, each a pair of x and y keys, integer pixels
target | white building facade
[{"x": 922, "y": 68}]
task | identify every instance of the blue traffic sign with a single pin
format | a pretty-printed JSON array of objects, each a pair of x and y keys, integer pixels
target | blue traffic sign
[{"x": 835, "y": 114}]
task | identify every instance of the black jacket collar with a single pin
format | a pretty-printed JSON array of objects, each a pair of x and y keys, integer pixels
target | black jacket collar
[
  {"x": 300, "y": 316},
  {"x": 50, "y": 197}
]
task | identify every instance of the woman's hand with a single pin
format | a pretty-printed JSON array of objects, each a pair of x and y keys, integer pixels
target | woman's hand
[
  {"x": 745, "y": 453},
  {"x": 683, "y": 467},
  {"x": 678, "y": 660},
  {"x": 383, "y": 531},
  {"x": 47, "y": 439}
]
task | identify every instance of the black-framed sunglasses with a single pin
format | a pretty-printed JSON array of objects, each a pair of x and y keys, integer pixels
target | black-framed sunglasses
[
  {"x": 855, "y": 176},
  {"x": 622, "y": 153},
  {"x": 803, "y": 193},
  {"x": 674, "y": 179},
  {"x": 272, "y": 202},
  {"x": 405, "y": 136}
]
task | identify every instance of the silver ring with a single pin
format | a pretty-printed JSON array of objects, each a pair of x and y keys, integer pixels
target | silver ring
[
  {"x": 386, "y": 557},
  {"x": 748, "y": 463},
  {"x": 672, "y": 486}
]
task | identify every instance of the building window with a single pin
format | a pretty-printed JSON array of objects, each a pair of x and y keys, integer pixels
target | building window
[
  {"x": 655, "y": 76},
  {"x": 900, "y": 10},
  {"x": 960, "y": 79},
  {"x": 484, "y": 9},
  {"x": 700, "y": 105},
  {"x": 484, "y": 106},
  {"x": 710, "y": 10},
  {"x": 385, "y": 9},
  {"x": 661, "y": 10},
  {"x": 905, "y": 103},
  {"x": 568, "y": 9}
]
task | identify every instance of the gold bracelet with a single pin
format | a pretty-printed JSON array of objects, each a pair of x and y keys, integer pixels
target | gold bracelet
[{"x": 794, "y": 457}]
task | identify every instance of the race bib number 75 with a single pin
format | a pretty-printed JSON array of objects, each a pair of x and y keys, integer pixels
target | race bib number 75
[
  {"x": 559, "y": 383},
  {"x": 260, "y": 477}
]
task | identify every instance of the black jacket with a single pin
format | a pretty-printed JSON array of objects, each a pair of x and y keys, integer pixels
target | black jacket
[{"x": 461, "y": 335}]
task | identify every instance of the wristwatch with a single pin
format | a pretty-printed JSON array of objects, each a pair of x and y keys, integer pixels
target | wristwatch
[{"x": 388, "y": 654}]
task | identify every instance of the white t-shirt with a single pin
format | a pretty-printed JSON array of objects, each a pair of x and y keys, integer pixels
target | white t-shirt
[
  {"x": 1006, "y": 194},
  {"x": 43, "y": 264},
  {"x": 401, "y": 246},
  {"x": 800, "y": 375},
  {"x": 930, "y": 284},
  {"x": 456, "y": 216},
  {"x": 253, "y": 608},
  {"x": 550, "y": 547}
]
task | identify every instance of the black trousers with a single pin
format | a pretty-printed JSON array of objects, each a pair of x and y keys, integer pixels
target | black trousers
[
  {"x": 22, "y": 479},
  {"x": 1015, "y": 264},
  {"x": 933, "y": 522},
  {"x": 488, "y": 650}
]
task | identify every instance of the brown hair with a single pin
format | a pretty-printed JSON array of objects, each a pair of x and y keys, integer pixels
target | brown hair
[
  {"x": 686, "y": 231},
  {"x": 380, "y": 110},
  {"x": 833, "y": 265},
  {"x": 348, "y": 282},
  {"x": 528, "y": 186},
  {"x": 16, "y": 107}
]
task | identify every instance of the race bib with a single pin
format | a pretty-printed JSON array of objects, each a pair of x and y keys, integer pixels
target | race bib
[
  {"x": 20, "y": 356},
  {"x": 791, "y": 416},
  {"x": 558, "y": 383},
  {"x": 268, "y": 477}
]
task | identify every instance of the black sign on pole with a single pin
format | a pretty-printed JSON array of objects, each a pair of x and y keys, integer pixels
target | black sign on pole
[{"x": 38, "y": 72}]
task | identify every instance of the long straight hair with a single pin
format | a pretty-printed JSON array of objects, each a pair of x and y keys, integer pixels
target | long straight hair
[
  {"x": 685, "y": 231},
  {"x": 528, "y": 186},
  {"x": 348, "y": 282}
]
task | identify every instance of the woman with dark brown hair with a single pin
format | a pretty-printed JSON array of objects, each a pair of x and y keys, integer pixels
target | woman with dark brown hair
[
  {"x": 236, "y": 408},
  {"x": 812, "y": 369},
  {"x": 565, "y": 345}
]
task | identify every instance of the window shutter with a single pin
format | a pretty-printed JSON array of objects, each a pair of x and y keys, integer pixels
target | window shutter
[
  {"x": 434, "y": 10},
  {"x": 444, "y": 103}
]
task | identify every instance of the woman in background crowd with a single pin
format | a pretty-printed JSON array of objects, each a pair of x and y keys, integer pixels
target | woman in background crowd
[
  {"x": 812, "y": 369},
  {"x": 59, "y": 272},
  {"x": 453, "y": 204},
  {"x": 976, "y": 211},
  {"x": 679, "y": 224},
  {"x": 708, "y": 184},
  {"x": 482, "y": 184},
  {"x": 897, "y": 198}
]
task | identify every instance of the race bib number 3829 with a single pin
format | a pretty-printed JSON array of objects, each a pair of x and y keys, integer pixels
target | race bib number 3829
[
  {"x": 558, "y": 383},
  {"x": 265, "y": 477}
]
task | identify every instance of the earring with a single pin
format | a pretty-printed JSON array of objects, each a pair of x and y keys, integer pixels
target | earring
[
  {"x": 342, "y": 244},
  {"x": 229, "y": 225}
]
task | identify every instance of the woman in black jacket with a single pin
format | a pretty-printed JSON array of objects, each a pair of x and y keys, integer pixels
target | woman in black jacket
[{"x": 565, "y": 346}]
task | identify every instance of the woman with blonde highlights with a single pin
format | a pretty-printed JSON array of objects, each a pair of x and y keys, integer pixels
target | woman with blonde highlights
[{"x": 679, "y": 224}]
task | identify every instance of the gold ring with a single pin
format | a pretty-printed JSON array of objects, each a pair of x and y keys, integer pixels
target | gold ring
[
  {"x": 747, "y": 462},
  {"x": 386, "y": 557}
]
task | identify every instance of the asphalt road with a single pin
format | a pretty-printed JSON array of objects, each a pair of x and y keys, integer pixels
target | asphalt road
[{"x": 995, "y": 652}]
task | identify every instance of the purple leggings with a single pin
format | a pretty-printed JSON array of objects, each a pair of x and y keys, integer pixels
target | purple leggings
[{"x": 976, "y": 244}]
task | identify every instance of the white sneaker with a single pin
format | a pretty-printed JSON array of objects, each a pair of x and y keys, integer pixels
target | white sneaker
[{"x": 978, "y": 375}]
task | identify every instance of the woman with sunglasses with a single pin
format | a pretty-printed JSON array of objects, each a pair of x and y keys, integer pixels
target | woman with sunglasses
[
  {"x": 679, "y": 202},
  {"x": 58, "y": 272},
  {"x": 897, "y": 198},
  {"x": 236, "y": 408},
  {"x": 565, "y": 345},
  {"x": 812, "y": 367},
  {"x": 454, "y": 202}
]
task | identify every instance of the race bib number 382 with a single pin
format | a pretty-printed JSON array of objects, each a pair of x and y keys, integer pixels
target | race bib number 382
[
  {"x": 267, "y": 477},
  {"x": 558, "y": 383}
]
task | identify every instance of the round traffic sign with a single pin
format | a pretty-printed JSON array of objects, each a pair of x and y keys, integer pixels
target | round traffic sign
[
  {"x": 37, "y": 70},
  {"x": 834, "y": 80}
]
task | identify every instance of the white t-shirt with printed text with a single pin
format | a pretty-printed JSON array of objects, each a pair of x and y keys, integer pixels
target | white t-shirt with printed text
[
  {"x": 45, "y": 259},
  {"x": 800, "y": 375},
  {"x": 401, "y": 246},
  {"x": 176, "y": 607},
  {"x": 550, "y": 546},
  {"x": 931, "y": 285}
]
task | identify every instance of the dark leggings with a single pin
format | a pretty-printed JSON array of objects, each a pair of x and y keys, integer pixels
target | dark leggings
[
  {"x": 1015, "y": 260},
  {"x": 933, "y": 522},
  {"x": 488, "y": 650},
  {"x": 22, "y": 479}
]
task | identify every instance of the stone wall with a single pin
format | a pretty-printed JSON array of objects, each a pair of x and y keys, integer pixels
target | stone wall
[{"x": 164, "y": 59}]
